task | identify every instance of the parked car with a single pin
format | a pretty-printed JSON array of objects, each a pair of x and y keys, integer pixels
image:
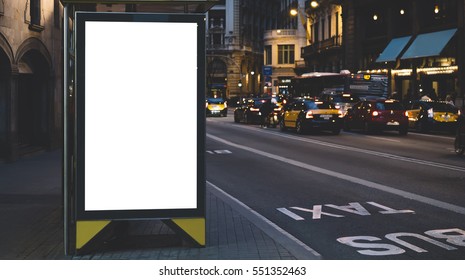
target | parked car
[
  {"x": 216, "y": 107},
  {"x": 459, "y": 143},
  {"x": 235, "y": 101},
  {"x": 309, "y": 114},
  {"x": 342, "y": 101},
  {"x": 377, "y": 115},
  {"x": 249, "y": 111},
  {"x": 425, "y": 116}
]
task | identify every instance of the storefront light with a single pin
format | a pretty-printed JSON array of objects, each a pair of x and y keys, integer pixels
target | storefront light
[
  {"x": 436, "y": 9},
  {"x": 375, "y": 17},
  {"x": 438, "y": 70},
  {"x": 402, "y": 11},
  {"x": 402, "y": 72}
]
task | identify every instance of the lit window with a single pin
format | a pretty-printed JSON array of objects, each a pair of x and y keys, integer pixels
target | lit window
[{"x": 285, "y": 54}]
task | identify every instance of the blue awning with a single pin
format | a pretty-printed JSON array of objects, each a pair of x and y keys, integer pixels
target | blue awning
[
  {"x": 429, "y": 44},
  {"x": 393, "y": 49}
]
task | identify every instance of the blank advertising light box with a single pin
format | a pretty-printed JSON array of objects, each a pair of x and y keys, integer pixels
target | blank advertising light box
[{"x": 140, "y": 107}]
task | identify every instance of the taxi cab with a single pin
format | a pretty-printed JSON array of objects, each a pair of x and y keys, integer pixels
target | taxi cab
[
  {"x": 216, "y": 107},
  {"x": 341, "y": 100},
  {"x": 309, "y": 114},
  {"x": 425, "y": 116}
]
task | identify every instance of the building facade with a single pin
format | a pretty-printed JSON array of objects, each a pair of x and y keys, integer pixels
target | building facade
[
  {"x": 30, "y": 76},
  {"x": 235, "y": 31},
  {"x": 419, "y": 43},
  {"x": 324, "y": 51},
  {"x": 283, "y": 45}
]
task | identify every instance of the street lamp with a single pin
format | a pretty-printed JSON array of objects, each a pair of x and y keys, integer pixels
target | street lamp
[
  {"x": 314, "y": 4},
  {"x": 296, "y": 11}
]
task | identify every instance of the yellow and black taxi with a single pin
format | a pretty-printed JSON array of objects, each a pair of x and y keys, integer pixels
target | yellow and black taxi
[
  {"x": 427, "y": 116},
  {"x": 216, "y": 107},
  {"x": 341, "y": 100},
  {"x": 310, "y": 114}
]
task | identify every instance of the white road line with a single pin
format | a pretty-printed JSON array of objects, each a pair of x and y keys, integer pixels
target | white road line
[
  {"x": 384, "y": 139},
  {"x": 366, "y": 183},
  {"x": 291, "y": 243},
  {"x": 369, "y": 152}
]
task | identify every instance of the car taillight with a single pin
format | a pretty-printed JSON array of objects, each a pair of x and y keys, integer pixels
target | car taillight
[
  {"x": 375, "y": 113},
  {"x": 406, "y": 113},
  {"x": 309, "y": 115},
  {"x": 254, "y": 109}
]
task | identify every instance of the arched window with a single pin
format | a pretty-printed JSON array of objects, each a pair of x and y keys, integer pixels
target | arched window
[{"x": 217, "y": 66}]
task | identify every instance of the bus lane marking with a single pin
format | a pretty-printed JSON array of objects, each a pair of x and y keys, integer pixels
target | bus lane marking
[
  {"x": 355, "y": 208},
  {"x": 453, "y": 238},
  {"x": 345, "y": 177}
]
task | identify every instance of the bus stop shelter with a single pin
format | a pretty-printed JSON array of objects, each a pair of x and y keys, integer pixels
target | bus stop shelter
[{"x": 120, "y": 161}]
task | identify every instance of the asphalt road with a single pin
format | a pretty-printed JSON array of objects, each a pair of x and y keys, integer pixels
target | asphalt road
[{"x": 347, "y": 196}]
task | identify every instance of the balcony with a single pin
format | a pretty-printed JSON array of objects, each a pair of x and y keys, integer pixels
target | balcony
[
  {"x": 333, "y": 43},
  {"x": 278, "y": 33}
]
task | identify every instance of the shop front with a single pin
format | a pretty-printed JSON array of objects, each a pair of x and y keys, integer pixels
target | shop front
[{"x": 425, "y": 64}]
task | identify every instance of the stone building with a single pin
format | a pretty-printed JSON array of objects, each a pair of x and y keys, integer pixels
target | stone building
[
  {"x": 235, "y": 33},
  {"x": 30, "y": 76}
]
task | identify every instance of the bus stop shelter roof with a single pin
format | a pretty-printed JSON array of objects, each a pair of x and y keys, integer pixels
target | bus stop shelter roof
[{"x": 190, "y": 6}]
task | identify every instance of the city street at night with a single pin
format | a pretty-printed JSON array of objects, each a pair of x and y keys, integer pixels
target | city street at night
[{"x": 347, "y": 196}]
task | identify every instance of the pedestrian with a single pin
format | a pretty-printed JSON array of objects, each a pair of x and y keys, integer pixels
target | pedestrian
[
  {"x": 265, "y": 111},
  {"x": 449, "y": 100}
]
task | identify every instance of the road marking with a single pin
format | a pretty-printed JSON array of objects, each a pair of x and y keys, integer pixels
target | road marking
[
  {"x": 219, "y": 152},
  {"x": 453, "y": 236},
  {"x": 369, "y": 152},
  {"x": 384, "y": 139},
  {"x": 288, "y": 241},
  {"x": 353, "y": 208},
  {"x": 366, "y": 183}
]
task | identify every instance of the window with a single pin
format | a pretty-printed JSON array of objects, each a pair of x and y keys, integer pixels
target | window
[
  {"x": 268, "y": 60},
  {"x": 285, "y": 54},
  {"x": 35, "y": 13}
]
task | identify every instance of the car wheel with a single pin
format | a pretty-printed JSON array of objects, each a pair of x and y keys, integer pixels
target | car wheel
[
  {"x": 246, "y": 118},
  {"x": 236, "y": 119},
  {"x": 299, "y": 127},
  {"x": 282, "y": 126},
  {"x": 459, "y": 149}
]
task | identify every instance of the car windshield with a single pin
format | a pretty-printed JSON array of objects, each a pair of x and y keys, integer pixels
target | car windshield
[
  {"x": 313, "y": 105},
  {"x": 441, "y": 107},
  {"x": 259, "y": 102},
  {"x": 389, "y": 106},
  {"x": 215, "y": 101},
  {"x": 344, "y": 99}
]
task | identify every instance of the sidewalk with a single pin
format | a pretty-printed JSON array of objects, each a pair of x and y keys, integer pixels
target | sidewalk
[{"x": 31, "y": 224}]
